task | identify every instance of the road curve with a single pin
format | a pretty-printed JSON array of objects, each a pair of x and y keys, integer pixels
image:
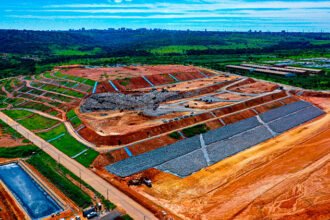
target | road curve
[{"x": 133, "y": 208}]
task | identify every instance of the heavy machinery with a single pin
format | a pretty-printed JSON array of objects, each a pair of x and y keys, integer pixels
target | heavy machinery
[{"x": 137, "y": 182}]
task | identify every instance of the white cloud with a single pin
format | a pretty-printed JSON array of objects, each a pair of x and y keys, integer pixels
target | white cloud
[{"x": 119, "y": 1}]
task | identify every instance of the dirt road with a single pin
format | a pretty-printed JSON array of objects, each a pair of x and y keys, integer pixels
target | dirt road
[{"x": 108, "y": 191}]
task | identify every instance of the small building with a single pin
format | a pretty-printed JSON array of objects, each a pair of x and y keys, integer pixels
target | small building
[{"x": 245, "y": 69}]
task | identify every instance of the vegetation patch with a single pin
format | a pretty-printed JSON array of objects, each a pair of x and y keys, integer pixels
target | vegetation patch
[
  {"x": 53, "y": 132},
  {"x": 19, "y": 151},
  {"x": 69, "y": 145},
  {"x": 6, "y": 129},
  {"x": 77, "y": 79},
  {"x": 125, "y": 81},
  {"x": 197, "y": 129},
  {"x": 56, "y": 174},
  {"x": 307, "y": 82},
  {"x": 31, "y": 121},
  {"x": 18, "y": 114},
  {"x": 87, "y": 158},
  {"x": 74, "y": 119},
  {"x": 175, "y": 135}
]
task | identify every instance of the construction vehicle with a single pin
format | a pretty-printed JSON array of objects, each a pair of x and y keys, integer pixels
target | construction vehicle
[{"x": 137, "y": 182}]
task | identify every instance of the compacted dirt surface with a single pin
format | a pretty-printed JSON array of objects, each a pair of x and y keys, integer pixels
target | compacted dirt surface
[
  {"x": 8, "y": 141},
  {"x": 128, "y": 71},
  {"x": 8, "y": 207},
  {"x": 287, "y": 177}
]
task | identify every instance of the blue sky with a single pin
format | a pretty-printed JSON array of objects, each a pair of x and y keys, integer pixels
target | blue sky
[{"x": 239, "y": 15}]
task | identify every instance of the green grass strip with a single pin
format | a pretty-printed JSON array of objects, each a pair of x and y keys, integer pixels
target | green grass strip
[{"x": 56, "y": 174}]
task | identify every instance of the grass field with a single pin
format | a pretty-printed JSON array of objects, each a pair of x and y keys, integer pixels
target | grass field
[
  {"x": 69, "y": 145},
  {"x": 66, "y": 143},
  {"x": 74, "y": 119},
  {"x": 18, "y": 114},
  {"x": 53, "y": 132},
  {"x": 87, "y": 158},
  {"x": 2, "y": 101},
  {"x": 19, "y": 151},
  {"x": 35, "y": 106},
  {"x": 231, "y": 44},
  {"x": 29, "y": 120},
  {"x": 73, "y": 51},
  {"x": 15, "y": 101},
  {"x": 63, "y": 91},
  {"x": 77, "y": 79}
]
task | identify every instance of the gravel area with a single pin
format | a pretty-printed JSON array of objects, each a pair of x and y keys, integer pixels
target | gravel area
[
  {"x": 222, "y": 149},
  {"x": 283, "y": 110},
  {"x": 154, "y": 158},
  {"x": 185, "y": 165},
  {"x": 118, "y": 101},
  {"x": 230, "y": 130},
  {"x": 290, "y": 121}
]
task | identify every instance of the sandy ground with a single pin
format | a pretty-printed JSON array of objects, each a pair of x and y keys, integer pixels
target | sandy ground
[
  {"x": 284, "y": 178},
  {"x": 127, "y": 72},
  {"x": 204, "y": 105},
  {"x": 115, "y": 122},
  {"x": 200, "y": 83},
  {"x": 231, "y": 96},
  {"x": 255, "y": 88}
]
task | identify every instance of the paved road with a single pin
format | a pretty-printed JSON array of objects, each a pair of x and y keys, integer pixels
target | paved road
[{"x": 133, "y": 208}]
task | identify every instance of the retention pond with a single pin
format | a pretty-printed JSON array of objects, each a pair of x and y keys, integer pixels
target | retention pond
[{"x": 32, "y": 197}]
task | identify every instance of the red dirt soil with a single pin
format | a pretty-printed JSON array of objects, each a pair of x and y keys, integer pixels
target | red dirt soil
[
  {"x": 187, "y": 76},
  {"x": 104, "y": 87},
  {"x": 9, "y": 208},
  {"x": 8, "y": 141},
  {"x": 250, "y": 86},
  {"x": 149, "y": 145},
  {"x": 160, "y": 79},
  {"x": 91, "y": 136},
  {"x": 132, "y": 83},
  {"x": 129, "y": 71}
]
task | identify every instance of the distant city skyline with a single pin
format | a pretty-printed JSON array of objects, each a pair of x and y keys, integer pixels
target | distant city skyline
[{"x": 230, "y": 15}]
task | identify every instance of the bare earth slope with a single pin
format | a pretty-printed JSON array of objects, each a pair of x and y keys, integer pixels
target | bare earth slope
[{"x": 284, "y": 178}]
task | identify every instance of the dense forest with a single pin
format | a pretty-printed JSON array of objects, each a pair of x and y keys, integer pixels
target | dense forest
[{"x": 25, "y": 52}]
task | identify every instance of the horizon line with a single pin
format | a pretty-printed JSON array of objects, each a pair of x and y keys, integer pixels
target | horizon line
[{"x": 162, "y": 29}]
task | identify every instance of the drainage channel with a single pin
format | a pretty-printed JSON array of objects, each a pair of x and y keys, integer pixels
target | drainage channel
[
  {"x": 148, "y": 81},
  {"x": 266, "y": 125},
  {"x": 78, "y": 154},
  {"x": 173, "y": 77},
  {"x": 95, "y": 86},
  {"x": 114, "y": 86},
  {"x": 128, "y": 152},
  {"x": 206, "y": 76},
  {"x": 206, "y": 155},
  {"x": 55, "y": 138}
]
